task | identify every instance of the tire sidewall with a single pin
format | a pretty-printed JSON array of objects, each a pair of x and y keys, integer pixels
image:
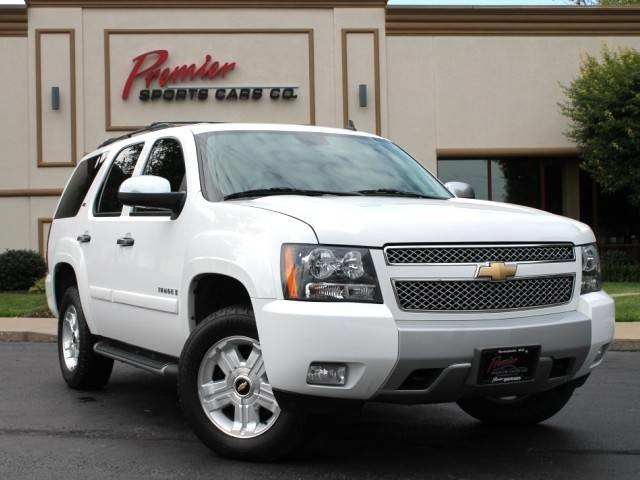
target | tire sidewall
[
  {"x": 92, "y": 371},
  {"x": 532, "y": 409},
  {"x": 72, "y": 298},
  {"x": 277, "y": 442}
]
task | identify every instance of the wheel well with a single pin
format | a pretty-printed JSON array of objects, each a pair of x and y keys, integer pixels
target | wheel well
[
  {"x": 211, "y": 292},
  {"x": 63, "y": 277}
]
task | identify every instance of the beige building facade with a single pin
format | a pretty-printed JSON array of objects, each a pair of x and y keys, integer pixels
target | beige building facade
[{"x": 472, "y": 93}]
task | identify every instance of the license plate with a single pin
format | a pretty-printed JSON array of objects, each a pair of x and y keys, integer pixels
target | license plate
[{"x": 508, "y": 365}]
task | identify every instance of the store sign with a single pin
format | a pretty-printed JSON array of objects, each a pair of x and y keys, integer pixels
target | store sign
[{"x": 184, "y": 82}]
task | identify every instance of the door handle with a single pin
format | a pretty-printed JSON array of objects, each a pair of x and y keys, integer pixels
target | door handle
[
  {"x": 126, "y": 242},
  {"x": 84, "y": 238}
]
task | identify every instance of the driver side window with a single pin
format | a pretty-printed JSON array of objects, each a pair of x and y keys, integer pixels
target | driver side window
[{"x": 165, "y": 160}]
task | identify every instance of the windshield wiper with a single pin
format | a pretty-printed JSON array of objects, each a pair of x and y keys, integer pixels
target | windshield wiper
[
  {"x": 263, "y": 192},
  {"x": 390, "y": 192}
]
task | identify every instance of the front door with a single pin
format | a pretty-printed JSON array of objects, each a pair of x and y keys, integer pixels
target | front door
[{"x": 150, "y": 259}]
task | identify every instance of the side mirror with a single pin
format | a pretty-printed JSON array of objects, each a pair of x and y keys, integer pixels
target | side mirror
[
  {"x": 461, "y": 189},
  {"x": 152, "y": 192}
]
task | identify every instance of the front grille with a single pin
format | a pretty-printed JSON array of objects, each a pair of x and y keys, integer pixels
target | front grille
[
  {"x": 476, "y": 254},
  {"x": 478, "y": 295}
]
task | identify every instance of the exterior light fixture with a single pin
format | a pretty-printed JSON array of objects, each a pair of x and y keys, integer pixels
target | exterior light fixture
[{"x": 55, "y": 98}]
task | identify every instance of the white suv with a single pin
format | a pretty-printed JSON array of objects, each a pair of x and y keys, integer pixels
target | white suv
[{"x": 278, "y": 270}]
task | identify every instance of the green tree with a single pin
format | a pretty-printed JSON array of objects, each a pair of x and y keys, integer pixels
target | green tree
[
  {"x": 604, "y": 2},
  {"x": 603, "y": 106},
  {"x": 619, "y": 2}
]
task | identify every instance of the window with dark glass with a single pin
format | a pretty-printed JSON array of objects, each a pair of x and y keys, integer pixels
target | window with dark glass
[
  {"x": 533, "y": 182},
  {"x": 107, "y": 203},
  {"x": 165, "y": 160},
  {"x": 78, "y": 187}
]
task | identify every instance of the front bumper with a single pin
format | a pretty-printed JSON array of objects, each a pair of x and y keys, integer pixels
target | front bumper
[{"x": 382, "y": 352}]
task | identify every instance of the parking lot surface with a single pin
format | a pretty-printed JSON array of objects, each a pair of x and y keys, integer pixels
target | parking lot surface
[{"x": 134, "y": 429}]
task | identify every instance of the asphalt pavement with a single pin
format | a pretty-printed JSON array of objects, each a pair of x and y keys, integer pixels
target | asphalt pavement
[{"x": 134, "y": 429}]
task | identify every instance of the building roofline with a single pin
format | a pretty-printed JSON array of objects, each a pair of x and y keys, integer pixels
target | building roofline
[
  {"x": 208, "y": 3},
  {"x": 13, "y": 21},
  {"x": 512, "y": 20}
]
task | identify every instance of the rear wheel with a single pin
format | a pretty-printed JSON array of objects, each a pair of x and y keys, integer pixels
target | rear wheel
[
  {"x": 518, "y": 410},
  {"x": 225, "y": 392},
  {"x": 81, "y": 367}
]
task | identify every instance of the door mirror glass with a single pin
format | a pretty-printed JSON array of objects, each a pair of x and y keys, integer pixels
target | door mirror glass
[
  {"x": 461, "y": 189},
  {"x": 152, "y": 192}
]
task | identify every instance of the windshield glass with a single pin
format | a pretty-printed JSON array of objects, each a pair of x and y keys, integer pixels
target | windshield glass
[{"x": 240, "y": 161}]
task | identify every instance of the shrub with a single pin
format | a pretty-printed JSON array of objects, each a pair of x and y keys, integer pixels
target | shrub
[
  {"x": 19, "y": 269},
  {"x": 619, "y": 266},
  {"x": 38, "y": 287}
]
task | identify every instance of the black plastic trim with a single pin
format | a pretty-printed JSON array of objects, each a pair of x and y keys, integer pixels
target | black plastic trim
[{"x": 298, "y": 402}]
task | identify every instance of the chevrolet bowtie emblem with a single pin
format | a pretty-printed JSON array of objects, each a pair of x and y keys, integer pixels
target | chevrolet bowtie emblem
[{"x": 497, "y": 271}]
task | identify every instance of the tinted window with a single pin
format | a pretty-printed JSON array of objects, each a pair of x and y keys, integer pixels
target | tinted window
[
  {"x": 107, "y": 203},
  {"x": 474, "y": 172},
  {"x": 78, "y": 187},
  {"x": 166, "y": 160}
]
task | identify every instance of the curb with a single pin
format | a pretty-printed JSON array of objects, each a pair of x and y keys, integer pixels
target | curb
[
  {"x": 27, "y": 337},
  {"x": 626, "y": 345}
]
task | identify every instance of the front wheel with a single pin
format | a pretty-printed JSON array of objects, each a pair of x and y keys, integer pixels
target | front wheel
[
  {"x": 225, "y": 393},
  {"x": 518, "y": 410}
]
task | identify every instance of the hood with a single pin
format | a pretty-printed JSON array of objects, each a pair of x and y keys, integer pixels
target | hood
[{"x": 377, "y": 221}]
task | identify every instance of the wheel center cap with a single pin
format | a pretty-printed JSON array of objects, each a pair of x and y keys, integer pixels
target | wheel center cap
[{"x": 242, "y": 386}]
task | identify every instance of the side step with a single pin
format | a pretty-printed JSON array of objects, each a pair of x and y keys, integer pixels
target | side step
[{"x": 153, "y": 362}]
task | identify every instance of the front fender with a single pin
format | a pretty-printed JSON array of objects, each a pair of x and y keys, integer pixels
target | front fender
[{"x": 244, "y": 244}]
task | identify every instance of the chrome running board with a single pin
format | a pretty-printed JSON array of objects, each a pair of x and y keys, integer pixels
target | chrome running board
[{"x": 153, "y": 362}]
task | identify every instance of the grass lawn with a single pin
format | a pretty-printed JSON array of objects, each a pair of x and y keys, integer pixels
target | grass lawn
[
  {"x": 627, "y": 305},
  {"x": 13, "y": 304}
]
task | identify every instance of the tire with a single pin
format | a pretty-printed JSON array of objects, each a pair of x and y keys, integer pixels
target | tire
[
  {"x": 224, "y": 349},
  {"x": 519, "y": 411},
  {"x": 81, "y": 367}
]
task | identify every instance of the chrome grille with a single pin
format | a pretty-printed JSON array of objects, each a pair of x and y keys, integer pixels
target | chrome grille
[
  {"x": 478, "y": 295},
  {"x": 480, "y": 254}
]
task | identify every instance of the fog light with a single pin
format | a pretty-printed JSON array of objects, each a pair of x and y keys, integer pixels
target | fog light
[
  {"x": 600, "y": 354},
  {"x": 327, "y": 374}
]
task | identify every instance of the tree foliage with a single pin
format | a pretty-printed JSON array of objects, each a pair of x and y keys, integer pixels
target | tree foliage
[
  {"x": 619, "y": 2},
  {"x": 603, "y": 106},
  {"x": 605, "y": 2}
]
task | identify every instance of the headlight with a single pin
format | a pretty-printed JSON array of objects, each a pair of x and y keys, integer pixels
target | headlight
[
  {"x": 591, "y": 275},
  {"x": 329, "y": 274}
]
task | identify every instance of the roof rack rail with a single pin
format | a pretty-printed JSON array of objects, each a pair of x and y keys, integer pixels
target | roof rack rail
[{"x": 150, "y": 128}]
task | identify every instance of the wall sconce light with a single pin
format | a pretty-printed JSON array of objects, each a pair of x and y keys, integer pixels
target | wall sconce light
[
  {"x": 55, "y": 98},
  {"x": 362, "y": 94}
]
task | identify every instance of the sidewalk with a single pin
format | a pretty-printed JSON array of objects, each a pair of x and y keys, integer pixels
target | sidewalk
[
  {"x": 22, "y": 329},
  {"x": 18, "y": 329}
]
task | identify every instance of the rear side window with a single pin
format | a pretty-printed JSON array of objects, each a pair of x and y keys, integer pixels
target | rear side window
[
  {"x": 107, "y": 203},
  {"x": 78, "y": 187}
]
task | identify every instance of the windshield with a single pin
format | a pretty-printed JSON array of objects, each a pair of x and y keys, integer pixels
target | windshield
[{"x": 233, "y": 162}]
